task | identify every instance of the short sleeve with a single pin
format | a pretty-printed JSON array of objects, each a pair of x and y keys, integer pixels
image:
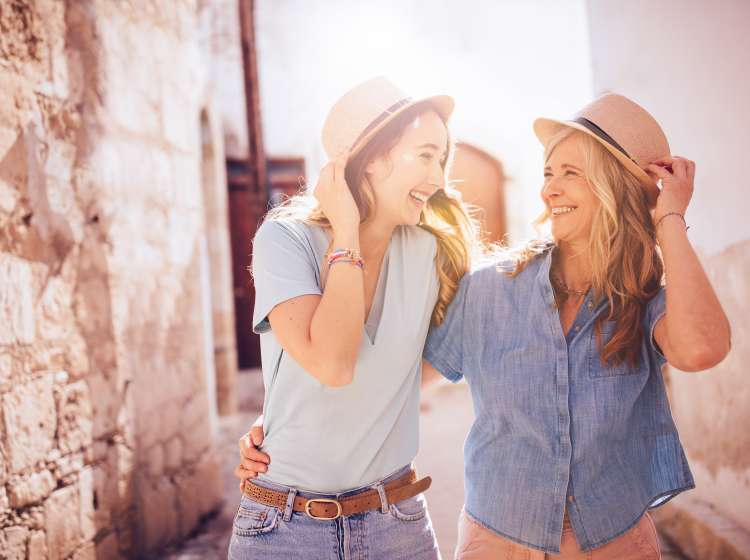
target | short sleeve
[
  {"x": 283, "y": 268},
  {"x": 444, "y": 346},
  {"x": 655, "y": 310}
]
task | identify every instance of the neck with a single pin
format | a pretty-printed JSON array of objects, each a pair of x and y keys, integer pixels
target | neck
[
  {"x": 374, "y": 237},
  {"x": 573, "y": 264}
]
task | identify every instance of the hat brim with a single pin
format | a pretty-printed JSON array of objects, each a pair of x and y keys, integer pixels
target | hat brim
[
  {"x": 546, "y": 128},
  {"x": 443, "y": 104}
]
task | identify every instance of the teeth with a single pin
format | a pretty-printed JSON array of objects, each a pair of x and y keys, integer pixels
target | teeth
[
  {"x": 562, "y": 210},
  {"x": 419, "y": 196}
]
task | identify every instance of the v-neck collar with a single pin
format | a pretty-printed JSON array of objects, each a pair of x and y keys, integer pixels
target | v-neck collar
[
  {"x": 373, "y": 320},
  {"x": 375, "y": 317}
]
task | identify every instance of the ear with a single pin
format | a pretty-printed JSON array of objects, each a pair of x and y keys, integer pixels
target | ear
[{"x": 373, "y": 166}]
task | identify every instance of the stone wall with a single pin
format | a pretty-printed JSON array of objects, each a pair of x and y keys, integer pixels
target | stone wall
[{"x": 108, "y": 410}]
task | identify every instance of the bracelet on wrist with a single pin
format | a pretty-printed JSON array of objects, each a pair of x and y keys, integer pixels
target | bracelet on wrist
[
  {"x": 660, "y": 220},
  {"x": 356, "y": 262},
  {"x": 345, "y": 255}
]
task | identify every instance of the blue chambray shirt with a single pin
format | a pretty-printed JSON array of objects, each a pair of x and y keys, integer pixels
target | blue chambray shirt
[{"x": 555, "y": 428}]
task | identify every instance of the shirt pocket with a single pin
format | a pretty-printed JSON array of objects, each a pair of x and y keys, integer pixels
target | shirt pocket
[{"x": 596, "y": 367}]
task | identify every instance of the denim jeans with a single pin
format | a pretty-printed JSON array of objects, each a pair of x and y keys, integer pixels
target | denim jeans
[{"x": 391, "y": 532}]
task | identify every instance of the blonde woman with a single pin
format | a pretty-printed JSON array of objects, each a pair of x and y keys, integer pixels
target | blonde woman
[
  {"x": 347, "y": 284},
  {"x": 562, "y": 346}
]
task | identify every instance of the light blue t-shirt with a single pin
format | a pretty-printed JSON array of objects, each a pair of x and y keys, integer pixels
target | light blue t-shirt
[{"x": 331, "y": 439}]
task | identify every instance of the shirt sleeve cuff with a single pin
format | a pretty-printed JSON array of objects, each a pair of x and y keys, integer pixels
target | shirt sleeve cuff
[{"x": 441, "y": 365}]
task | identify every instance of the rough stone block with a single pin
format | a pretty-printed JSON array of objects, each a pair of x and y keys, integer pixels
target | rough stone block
[
  {"x": 67, "y": 466},
  {"x": 62, "y": 515},
  {"x": 16, "y": 301},
  {"x": 13, "y": 544},
  {"x": 75, "y": 355},
  {"x": 30, "y": 421},
  {"x": 55, "y": 319},
  {"x": 74, "y": 417},
  {"x": 37, "y": 546},
  {"x": 34, "y": 487},
  {"x": 9, "y": 196},
  {"x": 33, "y": 517}
]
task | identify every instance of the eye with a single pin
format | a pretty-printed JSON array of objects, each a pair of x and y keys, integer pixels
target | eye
[
  {"x": 426, "y": 156},
  {"x": 547, "y": 174},
  {"x": 571, "y": 172}
]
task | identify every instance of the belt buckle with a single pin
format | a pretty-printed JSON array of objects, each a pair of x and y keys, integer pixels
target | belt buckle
[{"x": 326, "y": 501}]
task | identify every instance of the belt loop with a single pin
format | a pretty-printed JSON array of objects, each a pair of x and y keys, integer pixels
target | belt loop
[
  {"x": 383, "y": 498},
  {"x": 289, "y": 508}
]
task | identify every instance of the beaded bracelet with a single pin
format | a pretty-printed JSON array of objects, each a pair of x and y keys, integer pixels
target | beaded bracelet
[
  {"x": 346, "y": 255},
  {"x": 687, "y": 227},
  {"x": 357, "y": 262}
]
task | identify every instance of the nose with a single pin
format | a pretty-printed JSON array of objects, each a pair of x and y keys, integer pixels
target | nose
[
  {"x": 436, "y": 177},
  {"x": 551, "y": 189}
]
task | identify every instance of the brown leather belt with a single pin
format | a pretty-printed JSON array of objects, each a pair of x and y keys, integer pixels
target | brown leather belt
[{"x": 328, "y": 509}]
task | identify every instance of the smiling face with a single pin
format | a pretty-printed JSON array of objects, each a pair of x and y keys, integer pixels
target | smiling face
[
  {"x": 411, "y": 172},
  {"x": 567, "y": 193}
]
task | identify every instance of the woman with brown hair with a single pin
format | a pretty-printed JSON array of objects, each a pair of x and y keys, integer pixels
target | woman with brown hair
[
  {"x": 562, "y": 343},
  {"x": 347, "y": 284}
]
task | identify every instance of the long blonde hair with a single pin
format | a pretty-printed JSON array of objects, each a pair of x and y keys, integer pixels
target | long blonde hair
[
  {"x": 626, "y": 263},
  {"x": 444, "y": 214}
]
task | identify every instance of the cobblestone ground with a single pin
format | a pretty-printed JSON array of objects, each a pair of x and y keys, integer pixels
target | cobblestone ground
[{"x": 446, "y": 416}]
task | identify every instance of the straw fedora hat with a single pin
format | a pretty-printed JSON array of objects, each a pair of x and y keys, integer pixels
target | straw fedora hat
[
  {"x": 367, "y": 108},
  {"x": 622, "y": 126}
]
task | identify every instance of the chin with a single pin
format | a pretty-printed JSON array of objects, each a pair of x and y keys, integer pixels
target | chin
[
  {"x": 561, "y": 236},
  {"x": 411, "y": 220}
]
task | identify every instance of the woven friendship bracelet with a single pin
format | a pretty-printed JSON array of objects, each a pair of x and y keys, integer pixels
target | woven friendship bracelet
[
  {"x": 356, "y": 262},
  {"x": 346, "y": 255}
]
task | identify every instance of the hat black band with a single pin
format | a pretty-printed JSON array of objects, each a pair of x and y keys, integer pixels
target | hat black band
[
  {"x": 601, "y": 134},
  {"x": 381, "y": 117}
]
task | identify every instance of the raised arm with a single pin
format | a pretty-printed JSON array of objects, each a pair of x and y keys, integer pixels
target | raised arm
[
  {"x": 323, "y": 333},
  {"x": 694, "y": 333}
]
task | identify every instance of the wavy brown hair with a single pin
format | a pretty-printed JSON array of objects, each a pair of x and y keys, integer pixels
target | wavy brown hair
[
  {"x": 626, "y": 262},
  {"x": 444, "y": 215}
]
